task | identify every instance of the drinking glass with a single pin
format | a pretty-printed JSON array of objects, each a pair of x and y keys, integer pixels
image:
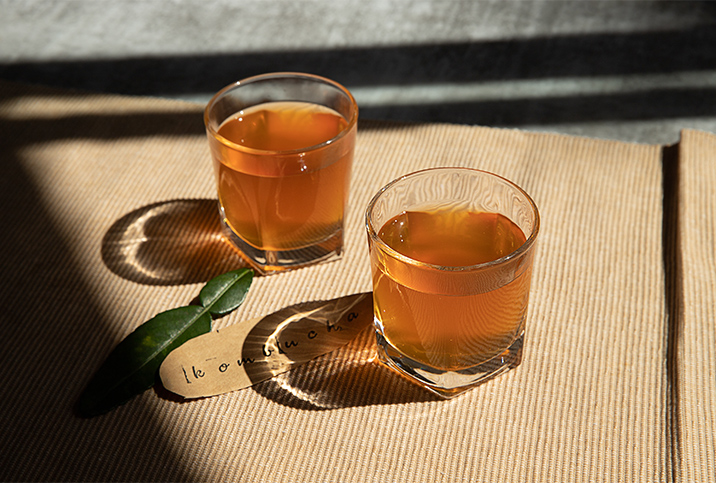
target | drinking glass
[
  {"x": 451, "y": 253},
  {"x": 282, "y": 146}
]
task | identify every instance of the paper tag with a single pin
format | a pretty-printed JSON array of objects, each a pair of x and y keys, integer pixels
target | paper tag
[{"x": 250, "y": 352}]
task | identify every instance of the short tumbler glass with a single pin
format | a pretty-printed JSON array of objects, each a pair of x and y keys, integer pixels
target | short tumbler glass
[
  {"x": 282, "y": 146},
  {"x": 451, "y": 253}
]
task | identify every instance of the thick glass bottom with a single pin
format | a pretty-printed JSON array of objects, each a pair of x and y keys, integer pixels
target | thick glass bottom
[
  {"x": 267, "y": 262},
  {"x": 448, "y": 384}
]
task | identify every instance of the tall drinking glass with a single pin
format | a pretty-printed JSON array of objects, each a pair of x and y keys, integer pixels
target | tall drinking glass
[{"x": 451, "y": 254}]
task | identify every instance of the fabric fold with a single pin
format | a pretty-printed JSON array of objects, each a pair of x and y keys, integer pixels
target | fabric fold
[{"x": 695, "y": 330}]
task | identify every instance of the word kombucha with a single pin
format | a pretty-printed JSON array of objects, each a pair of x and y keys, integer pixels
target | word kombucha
[
  {"x": 451, "y": 318},
  {"x": 276, "y": 200}
]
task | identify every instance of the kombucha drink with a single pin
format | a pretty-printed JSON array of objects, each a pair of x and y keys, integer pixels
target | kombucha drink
[
  {"x": 274, "y": 196},
  {"x": 445, "y": 313}
]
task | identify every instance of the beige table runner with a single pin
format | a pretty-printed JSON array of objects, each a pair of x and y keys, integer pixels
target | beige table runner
[
  {"x": 696, "y": 317},
  {"x": 109, "y": 205}
]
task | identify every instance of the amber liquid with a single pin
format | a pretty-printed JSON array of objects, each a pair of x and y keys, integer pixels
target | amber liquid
[
  {"x": 445, "y": 319},
  {"x": 280, "y": 201}
]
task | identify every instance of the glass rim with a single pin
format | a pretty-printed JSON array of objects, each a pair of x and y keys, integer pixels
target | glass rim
[
  {"x": 515, "y": 254},
  {"x": 280, "y": 75}
]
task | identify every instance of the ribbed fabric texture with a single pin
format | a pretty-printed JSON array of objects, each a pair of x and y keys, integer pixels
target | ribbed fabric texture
[
  {"x": 696, "y": 335},
  {"x": 108, "y": 205}
]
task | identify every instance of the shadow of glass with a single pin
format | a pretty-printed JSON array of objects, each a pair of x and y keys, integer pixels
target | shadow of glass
[
  {"x": 170, "y": 243},
  {"x": 348, "y": 376}
]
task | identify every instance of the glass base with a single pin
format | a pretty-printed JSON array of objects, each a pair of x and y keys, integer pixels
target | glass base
[
  {"x": 448, "y": 384},
  {"x": 267, "y": 262}
]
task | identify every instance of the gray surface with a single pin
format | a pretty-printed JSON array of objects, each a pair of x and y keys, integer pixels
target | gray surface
[{"x": 635, "y": 71}]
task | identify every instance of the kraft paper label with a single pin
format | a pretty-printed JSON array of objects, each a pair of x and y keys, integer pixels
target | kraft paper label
[{"x": 253, "y": 351}]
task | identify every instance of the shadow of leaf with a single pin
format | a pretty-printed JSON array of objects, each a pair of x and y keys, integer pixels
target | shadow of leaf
[{"x": 170, "y": 243}]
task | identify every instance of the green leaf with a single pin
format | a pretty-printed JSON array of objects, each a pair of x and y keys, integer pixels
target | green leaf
[
  {"x": 131, "y": 367},
  {"x": 226, "y": 292}
]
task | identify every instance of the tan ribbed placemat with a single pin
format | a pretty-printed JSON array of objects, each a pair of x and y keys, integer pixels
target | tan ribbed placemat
[
  {"x": 696, "y": 339},
  {"x": 110, "y": 214}
]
